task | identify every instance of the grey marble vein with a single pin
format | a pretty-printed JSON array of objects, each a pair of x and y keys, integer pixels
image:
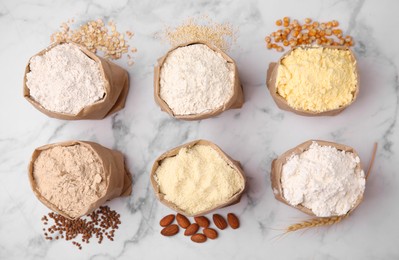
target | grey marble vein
[
  {"x": 354, "y": 15},
  {"x": 255, "y": 134}
]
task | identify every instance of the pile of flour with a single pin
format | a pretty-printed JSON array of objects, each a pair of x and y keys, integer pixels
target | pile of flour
[
  {"x": 197, "y": 179},
  {"x": 70, "y": 177},
  {"x": 195, "y": 79},
  {"x": 324, "y": 180},
  {"x": 65, "y": 80}
]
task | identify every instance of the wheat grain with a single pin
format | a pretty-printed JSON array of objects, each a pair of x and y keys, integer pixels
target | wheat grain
[
  {"x": 204, "y": 29},
  {"x": 315, "y": 222}
]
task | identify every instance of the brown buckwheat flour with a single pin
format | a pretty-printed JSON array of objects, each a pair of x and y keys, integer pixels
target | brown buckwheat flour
[{"x": 70, "y": 177}]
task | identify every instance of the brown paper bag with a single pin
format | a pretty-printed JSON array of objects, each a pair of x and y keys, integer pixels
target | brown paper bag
[
  {"x": 277, "y": 167},
  {"x": 236, "y": 101},
  {"x": 271, "y": 79},
  {"x": 118, "y": 178},
  {"x": 116, "y": 90},
  {"x": 173, "y": 152}
]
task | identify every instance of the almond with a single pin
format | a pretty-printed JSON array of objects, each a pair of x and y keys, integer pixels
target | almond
[
  {"x": 202, "y": 221},
  {"x": 167, "y": 220},
  {"x": 182, "y": 220},
  {"x": 198, "y": 238},
  {"x": 219, "y": 221},
  {"x": 233, "y": 221},
  {"x": 170, "y": 230},
  {"x": 191, "y": 230},
  {"x": 210, "y": 233}
]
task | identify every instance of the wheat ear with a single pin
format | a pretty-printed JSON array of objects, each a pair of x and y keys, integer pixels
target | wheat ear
[{"x": 315, "y": 222}]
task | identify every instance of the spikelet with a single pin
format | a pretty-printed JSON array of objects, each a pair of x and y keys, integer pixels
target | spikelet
[{"x": 316, "y": 222}]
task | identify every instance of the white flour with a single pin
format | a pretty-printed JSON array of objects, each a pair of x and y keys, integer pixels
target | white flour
[
  {"x": 65, "y": 80},
  {"x": 195, "y": 79},
  {"x": 324, "y": 180}
]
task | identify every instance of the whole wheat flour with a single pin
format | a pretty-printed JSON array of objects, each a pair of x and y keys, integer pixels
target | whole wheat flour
[
  {"x": 65, "y": 80},
  {"x": 197, "y": 178},
  {"x": 195, "y": 79},
  {"x": 324, "y": 180},
  {"x": 70, "y": 177}
]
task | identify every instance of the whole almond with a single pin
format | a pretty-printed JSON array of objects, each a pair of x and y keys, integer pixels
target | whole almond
[
  {"x": 233, "y": 221},
  {"x": 170, "y": 230},
  {"x": 167, "y": 220},
  {"x": 219, "y": 221},
  {"x": 182, "y": 220},
  {"x": 210, "y": 233},
  {"x": 202, "y": 221},
  {"x": 198, "y": 238},
  {"x": 191, "y": 230}
]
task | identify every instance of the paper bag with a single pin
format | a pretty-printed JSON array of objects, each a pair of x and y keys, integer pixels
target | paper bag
[
  {"x": 271, "y": 79},
  {"x": 173, "y": 152},
  {"x": 116, "y": 86},
  {"x": 236, "y": 100},
  {"x": 117, "y": 177},
  {"x": 277, "y": 167}
]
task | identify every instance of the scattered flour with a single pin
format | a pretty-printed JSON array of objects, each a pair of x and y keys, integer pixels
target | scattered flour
[
  {"x": 65, "y": 80},
  {"x": 195, "y": 79},
  {"x": 324, "y": 180}
]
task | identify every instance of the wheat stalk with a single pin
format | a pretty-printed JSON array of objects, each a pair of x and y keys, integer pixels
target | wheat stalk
[
  {"x": 372, "y": 160},
  {"x": 315, "y": 222}
]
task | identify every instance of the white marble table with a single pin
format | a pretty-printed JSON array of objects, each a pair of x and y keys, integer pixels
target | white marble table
[{"x": 255, "y": 134}]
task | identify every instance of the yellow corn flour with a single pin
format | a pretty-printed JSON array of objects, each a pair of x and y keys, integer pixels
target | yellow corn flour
[{"x": 317, "y": 79}]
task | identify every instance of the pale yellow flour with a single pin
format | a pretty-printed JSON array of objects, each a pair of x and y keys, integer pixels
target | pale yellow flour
[{"x": 197, "y": 179}]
